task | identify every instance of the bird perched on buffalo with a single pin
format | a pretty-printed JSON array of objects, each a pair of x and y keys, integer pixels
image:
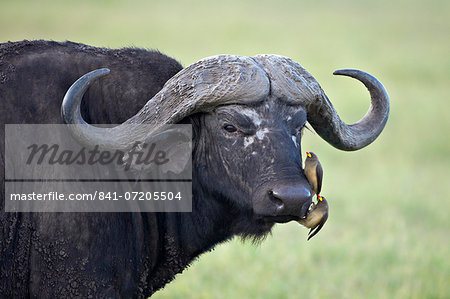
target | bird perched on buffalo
[
  {"x": 316, "y": 217},
  {"x": 313, "y": 172}
]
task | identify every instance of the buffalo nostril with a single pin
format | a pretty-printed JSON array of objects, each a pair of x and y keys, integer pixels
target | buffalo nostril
[{"x": 277, "y": 201}]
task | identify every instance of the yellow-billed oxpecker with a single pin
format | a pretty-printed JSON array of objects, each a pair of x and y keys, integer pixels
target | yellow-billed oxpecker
[
  {"x": 316, "y": 217},
  {"x": 313, "y": 172}
]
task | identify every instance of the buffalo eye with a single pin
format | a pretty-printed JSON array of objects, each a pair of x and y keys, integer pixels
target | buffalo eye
[{"x": 229, "y": 128}]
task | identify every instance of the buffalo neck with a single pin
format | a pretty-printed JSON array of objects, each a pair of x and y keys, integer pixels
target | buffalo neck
[{"x": 185, "y": 236}]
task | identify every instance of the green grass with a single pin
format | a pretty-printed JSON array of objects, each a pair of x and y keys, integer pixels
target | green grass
[{"x": 388, "y": 231}]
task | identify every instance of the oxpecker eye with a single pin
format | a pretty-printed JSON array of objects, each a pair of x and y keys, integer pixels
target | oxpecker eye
[{"x": 229, "y": 128}]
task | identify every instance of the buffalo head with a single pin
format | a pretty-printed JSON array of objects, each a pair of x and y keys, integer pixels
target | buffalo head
[{"x": 248, "y": 116}]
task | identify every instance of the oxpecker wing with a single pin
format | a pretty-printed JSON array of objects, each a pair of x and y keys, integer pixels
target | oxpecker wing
[{"x": 319, "y": 176}]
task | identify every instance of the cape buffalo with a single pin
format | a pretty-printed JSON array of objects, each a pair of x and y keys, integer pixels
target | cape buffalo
[{"x": 247, "y": 115}]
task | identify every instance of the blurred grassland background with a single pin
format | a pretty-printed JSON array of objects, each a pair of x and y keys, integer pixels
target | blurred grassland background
[{"x": 388, "y": 232}]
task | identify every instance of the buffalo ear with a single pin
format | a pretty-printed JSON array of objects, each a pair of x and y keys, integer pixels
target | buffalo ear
[
  {"x": 179, "y": 156},
  {"x": 165, "y": 153}
]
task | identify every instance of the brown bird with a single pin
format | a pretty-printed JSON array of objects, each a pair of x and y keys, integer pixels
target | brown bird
[
  {"x": 313, "y": 172},
  {"x": 316, "y": 217}
]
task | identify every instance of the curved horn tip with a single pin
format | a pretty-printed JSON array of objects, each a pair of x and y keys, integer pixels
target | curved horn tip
[
  {"x": 92, "y": 75},
  {"x": 70, "y": 105},
  {"x": 99, "y": 72},
  {"x": 359, "y": 75},
  {"x": 348, "y": 72},
  {"x": 84, "y": 81},
  {"x": 366, "y": 130},
  {"x": 367, "y": 79}
]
